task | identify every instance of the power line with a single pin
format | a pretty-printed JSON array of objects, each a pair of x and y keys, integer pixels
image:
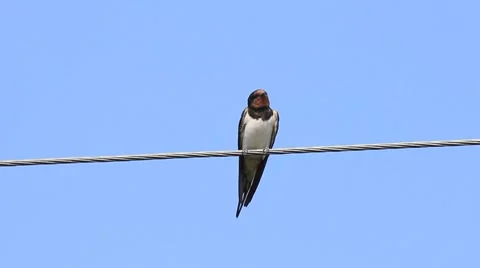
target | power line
[{"x": 296, "y": 150}]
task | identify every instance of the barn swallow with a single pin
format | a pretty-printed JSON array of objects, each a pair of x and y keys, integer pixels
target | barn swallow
[{"x": 257, "y": 129}]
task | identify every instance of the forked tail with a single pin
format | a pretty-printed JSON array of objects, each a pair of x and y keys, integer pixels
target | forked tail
[{"x": 240, "y": 205}]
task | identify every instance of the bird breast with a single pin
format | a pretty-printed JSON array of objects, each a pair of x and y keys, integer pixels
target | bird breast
[{"x": 257, "y": 133}]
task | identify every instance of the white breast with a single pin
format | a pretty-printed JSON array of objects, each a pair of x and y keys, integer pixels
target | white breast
[{"x": 258, "y": 133}]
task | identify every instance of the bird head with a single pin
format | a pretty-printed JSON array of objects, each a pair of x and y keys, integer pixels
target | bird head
[{"x": 258, "y": 99}]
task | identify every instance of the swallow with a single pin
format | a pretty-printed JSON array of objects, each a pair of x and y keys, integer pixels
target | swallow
[{"x": 257, "y": 129}]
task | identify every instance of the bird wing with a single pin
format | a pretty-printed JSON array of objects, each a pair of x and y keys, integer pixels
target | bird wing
[
  {"x": 263, "y": 163},
  {"x": 241, "y": 159}
]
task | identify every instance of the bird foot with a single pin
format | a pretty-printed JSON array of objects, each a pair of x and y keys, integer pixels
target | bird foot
[
  {"x": 266, "y": 150},
  {"x": 244, "y": 152}
]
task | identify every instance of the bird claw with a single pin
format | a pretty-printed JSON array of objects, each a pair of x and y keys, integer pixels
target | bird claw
[
  {"x": 244, "y": 152},
  {"x": 266, "y": 150}
]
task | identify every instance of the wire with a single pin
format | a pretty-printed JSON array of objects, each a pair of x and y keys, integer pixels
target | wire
[{"x": 296, "y": 150}]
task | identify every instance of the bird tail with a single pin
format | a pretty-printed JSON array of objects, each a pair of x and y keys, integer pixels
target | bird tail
[{"x": 240, "y": 205}]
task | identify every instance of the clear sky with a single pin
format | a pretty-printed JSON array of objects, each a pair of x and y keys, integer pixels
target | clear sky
[{"x": 87, "y": 78}]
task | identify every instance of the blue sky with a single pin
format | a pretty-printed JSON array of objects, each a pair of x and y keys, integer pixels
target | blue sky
[{"x": 86, "y": 78}]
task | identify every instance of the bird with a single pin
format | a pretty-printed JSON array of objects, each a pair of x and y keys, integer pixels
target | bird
[{"x": 257, "y": 129}]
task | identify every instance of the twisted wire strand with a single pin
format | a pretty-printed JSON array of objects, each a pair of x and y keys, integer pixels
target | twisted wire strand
[{"x": 278, "y": 151}]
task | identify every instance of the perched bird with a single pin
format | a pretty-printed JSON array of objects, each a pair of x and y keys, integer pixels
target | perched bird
[{"x": 257, "y": 129}]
